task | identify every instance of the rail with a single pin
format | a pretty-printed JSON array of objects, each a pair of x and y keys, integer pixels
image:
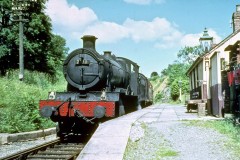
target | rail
[{"x": 50, "y": 150}]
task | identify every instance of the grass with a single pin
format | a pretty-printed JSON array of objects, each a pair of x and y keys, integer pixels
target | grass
[
  {"x": 225, "y": 127},
  {"x": 19, "y": 101},
  {"x": 166, "y": 152},
  {"x": 152, "y": 146}
]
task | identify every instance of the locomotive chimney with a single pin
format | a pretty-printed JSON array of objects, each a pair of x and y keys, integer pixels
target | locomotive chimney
[
  {"x": 89, "y": 42},
  {"x": 107, "y": 53}
]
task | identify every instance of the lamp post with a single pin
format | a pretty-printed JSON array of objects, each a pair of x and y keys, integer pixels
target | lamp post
[
  {"x": 180, "y": 90},
  {"x": 18, "y": 6}
]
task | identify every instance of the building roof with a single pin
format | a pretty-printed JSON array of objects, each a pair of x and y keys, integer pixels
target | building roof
[
  {"x": 200, "y": 58},
  {"x": 205, "y": 35},
  {"x": 230, "y": 47}
]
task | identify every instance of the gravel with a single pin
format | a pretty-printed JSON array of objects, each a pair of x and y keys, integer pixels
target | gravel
[
  {"x": 15, "y": 147},
  {"x": 194, "y": 143},
  {"x": 176, "y": 140},
  {"x": 137, "y": 132}
]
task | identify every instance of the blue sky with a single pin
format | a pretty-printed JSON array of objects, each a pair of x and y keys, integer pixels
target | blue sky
[{"x": 149, "y": 32}]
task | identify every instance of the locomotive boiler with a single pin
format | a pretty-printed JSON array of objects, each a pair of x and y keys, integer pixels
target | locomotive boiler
[{"x": 99, "y": 87}]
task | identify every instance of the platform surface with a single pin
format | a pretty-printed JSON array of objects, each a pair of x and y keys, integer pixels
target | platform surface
[{"x": 110, "y": 139}]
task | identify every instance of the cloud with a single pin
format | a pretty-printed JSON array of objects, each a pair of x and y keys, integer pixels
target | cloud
[
  {"x": 144, "y": 30},
  {"x": 107, "y": 32},
  {"x": 193, "y": 39},
  {"x": 190, "y": 39},
  {"x": 72, "y": 23},
  {"x": 160, "y": 31},
  {"x": 144, "y": 2},
  {"x": 216, "y": 37},
  {"x": 65, "y": 15}
]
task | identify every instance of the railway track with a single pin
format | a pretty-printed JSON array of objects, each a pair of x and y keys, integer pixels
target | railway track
[{"x": 53, "y": 150}]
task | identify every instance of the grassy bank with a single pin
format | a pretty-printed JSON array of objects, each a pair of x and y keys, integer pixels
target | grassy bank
[{"x": 19, "y": 100}]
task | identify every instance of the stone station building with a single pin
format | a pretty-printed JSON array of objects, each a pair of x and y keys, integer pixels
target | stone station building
[{"x": 209, "y": 86}]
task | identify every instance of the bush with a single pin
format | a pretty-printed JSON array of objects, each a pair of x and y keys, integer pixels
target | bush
[
  {"x": 158, "y": 97},
  {"x": 175, "y": 90},
  {"x": 20, "y": 99}
]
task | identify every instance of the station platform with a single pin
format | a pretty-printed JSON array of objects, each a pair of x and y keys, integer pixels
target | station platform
[{"x": 110, "y": 139}]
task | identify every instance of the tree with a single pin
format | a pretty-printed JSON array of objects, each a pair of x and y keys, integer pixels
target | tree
[
  {"x": 153, "y": 74},
  {"x": 176, "y": 71},
  {"x": 57, "y": 52},
  {"x": 5, "y": 35},
  {"x": 189, "y": 54},
  {"x": 41, "y": 48},
  {"x": 175, "y": 90},
  {"x": 158, "y": 97}
]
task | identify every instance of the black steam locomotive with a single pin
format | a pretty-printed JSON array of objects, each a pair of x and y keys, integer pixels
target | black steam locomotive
[{"x": 100, "y": 87}]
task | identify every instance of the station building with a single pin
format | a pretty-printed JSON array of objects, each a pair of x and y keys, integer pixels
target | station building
[{"x": 208, "y": 74}]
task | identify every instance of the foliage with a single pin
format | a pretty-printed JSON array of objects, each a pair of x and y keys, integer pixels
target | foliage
[
  {"x": 43, "y": 51},
  {"x": 57, "y": 52},
  {"x": 158, "y": 97},
  {"x": 176, "y": 72},
  {"x": 225, "y": 126},
  {"x": 175, "y": 90},
  {"x": 188, "y": 54},
  {"x": 153, "y": 74},
  {"x": 19, "y": 101},
  {"x": 154, "y": 78}
]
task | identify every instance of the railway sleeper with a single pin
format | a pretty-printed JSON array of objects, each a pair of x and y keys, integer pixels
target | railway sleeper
[
  {"x": 59, "y": 157},
  {"x": 65, "y": 149},
  {"x": 58, "y": 153},
  {"x": 46, "y": 159},
  {"x": 69, "y": 146}
]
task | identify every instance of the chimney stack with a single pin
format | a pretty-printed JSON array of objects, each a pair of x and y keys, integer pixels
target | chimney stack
[
  {"x": 89, "y": 42},
  {"x": 236, "y": 19},
  {"x": 107, "y": 53}
]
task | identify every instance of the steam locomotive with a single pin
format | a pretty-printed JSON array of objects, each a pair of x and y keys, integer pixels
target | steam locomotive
[{"x": 99, "y": 87}]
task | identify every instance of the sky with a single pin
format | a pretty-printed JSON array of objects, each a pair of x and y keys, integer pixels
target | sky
[{"x": 149, "y": 32}]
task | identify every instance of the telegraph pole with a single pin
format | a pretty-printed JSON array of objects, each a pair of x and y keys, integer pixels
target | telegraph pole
[
  {"x": 21, "y": 51},
  {"x": 21, "y": 54},
  {"x": 19, "y": 6}
]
